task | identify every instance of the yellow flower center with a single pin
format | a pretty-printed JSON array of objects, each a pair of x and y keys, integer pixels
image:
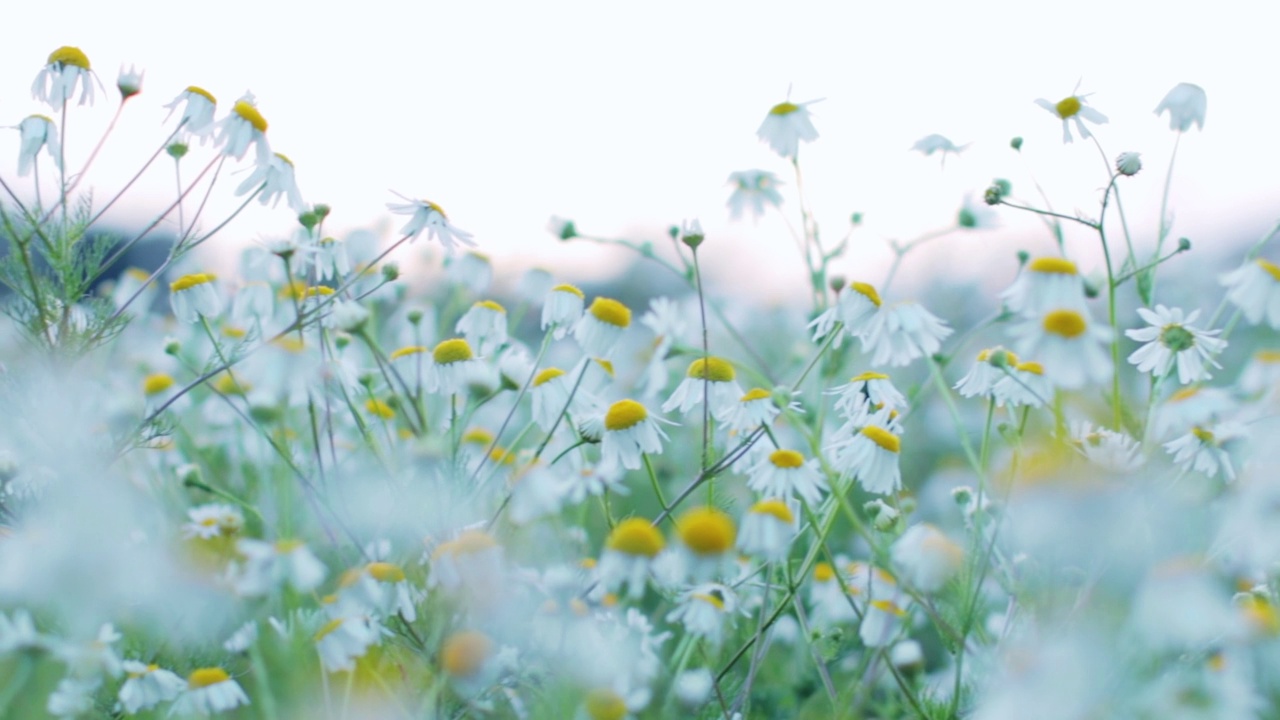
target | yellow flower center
[
  {"x": 407, "y": 350},
  {"x": 67, "y": 55},
  {"x": 379, "y": 408},
  {"x": 869, "y": 376},
  {"x": 491, "y": 305},
  {"x": 385, "y": 572},
  {"x": 235, "y": 333},
  {"x": 477, "y": 436},
  {"x": 186, "y": 282},
  {"x": 1052, "y": 266},
  {"x": 1184, "y": 394},
  {"x": 463, "y": 653},
  {"x": 605, "y": 365},
  {"x": 546, "y": 375},
  {"x": 285, "y": 158},
  {"x": 452, "y": 351},
  {"x": 756, "y": 394},
  {"x": 883, "y": 438},
  {"x": 712, "y": 368},
  {"x": 566, "y": 288},
  {"x": 1068, "y": 107},
  {"x": 604, "y": 704},
  {"x": 284, "y": 547},
  {"x": 1034, "y": 368},
  {"x": 250, "y": 114},
  {"x": 714, "y": 601},
  {"x": 1204, "y": 436},
  {"x": 888, "y": 606},
  {"x": 204, "y": 677},
  {"x": 786, "y": 458},
  {"x": 784, "y": 108},
  {"x": 776, "y": 508},
  {"x": 197, "y": 90},
  {"x": 471, "y": 542},
  {"x": 706, "y": 531},
  {"x": 1272, "y": 269},
  {"x": 866, "y": 290},
  {"x": 611, "y": 312},
  {"x": 635, "y": 536},
  {"x": 624, "y": 414},
  {"x": 319, "y": 290},
  {"x": 1064, "y": 323},
  {"x": 432, "y": 206},
  {"x": 328, "y": 628},
  {"x": 156, "y": 383},
  {"x": 823, "y": 572}
]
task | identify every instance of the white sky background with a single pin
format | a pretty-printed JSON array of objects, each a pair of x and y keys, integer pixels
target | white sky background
[{"x": 628, "y": 118}]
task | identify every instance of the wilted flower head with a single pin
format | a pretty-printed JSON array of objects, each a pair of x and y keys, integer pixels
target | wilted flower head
[
  {"x": 1186, "y": 104},
  {"x": 785, "y": 126}
]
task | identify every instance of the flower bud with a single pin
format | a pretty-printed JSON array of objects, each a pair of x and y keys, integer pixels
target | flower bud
[
  {"x": 414, "y": 316},
  {"x": 1184, "y": 244},
  {"x": 962, "y": 495},
  {"x": 129, "y": 82},
  {"x": 172, "y": 346},
  {"x": 856, "y": 218},
  {"x": 391, "y": 272},
  {"x": 883, "y": 515},
  {"x": 1129, "y": 163},
  {"x": 1016, "y": 143},
  {"x": 321, "y": 210},
  {"x": 691, "y": 234},
  {"x": 177, "y": 150},
  {"x": 562, "y": 228}
]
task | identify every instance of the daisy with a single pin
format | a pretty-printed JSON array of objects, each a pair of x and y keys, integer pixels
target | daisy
[
  {"x": 146, "y": 686},
  {"x": 753, "y": 409},
  {"x": 195, "y": 296},
  {"x": 785, "y": 126},
  {"x": 1262, "y": 373},
  {"x": 551, "y": 396},
  {"x": 1186, "y": 105},
  {"x": 706, "y": 535},
  {"x": 212, "y": 520},
  {"x": 628, "y": 554},
  {"x": 754, "y": 190},
  {"x": 872, "y": 456},
  {"x": 829, "y": 599},
  {"x": 856, "y": 307},
  {"x": 897, "y": 335},
  {"x": 57, "y": 80},
  {"x": 245, "y": 126},
  {"x": 1023, "y": 384},
  {"x": 1170, "y": 339},
  {"x": 703, "y": 611},
  {"x": 786, "y": 474},
  {"x": 1044, "y": 284},
  {"x": 767, "y": 530},
  {"x": 713, "y": 376},
  {"x": 629, "y": 432},
  {"x": 467, "y": 657},
  {"x": 72, "y": 697},
  {"x": 471, "y": 270},
  {"x": 880, "y": 623},
  {"x": 197, "y": 113},
  {"x": 562, "y": 309},
  {"x": 37, "y": 131},
  {"x": 275, "y": 178},
  {"x": 1074, "y": 108},
  {"x": 930, "y": 144},
  {"x": 601, "y": 327},
  {"x": 209, "y": 690},
  {"x": 926, "y": 558},
  {"x": 270, "y": 565},
  {"x": 379, "y": 587},
  {"x": 343, "y": 640},
  {"x": 484, "y": 326},
  {"x": 869, "y": 386},
  {"x": 430, "y": 217},
  {"x": 453, "y": 367},
  {"x": 1070, "y": 346},
  {"x": 1108, "y": 449},
  {"x": 471, "y": 563},
  {"x": 987, "y": 370},
  {"x": 1255, "y": 288},
  {"x": 1206, "y": 449}
]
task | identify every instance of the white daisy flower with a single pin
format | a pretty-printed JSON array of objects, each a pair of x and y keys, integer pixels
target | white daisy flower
[
  {"x": 1255, "y": 288},
  {"x": 1023, "y": 384},
  {"x": 856, "y": 307},
  {"x": 712, "y": 375},
  {"x": 1262, "y": 373},
  {"x": 785, "y": 126},
  {"x": 197, "y": 113},
  {"x": 453, "y": 367},
  {"x": 1046, "y": 283},
  {"x": 562, "y": 309},
  {"x": 472, "y": 270},
  {"x": 430, "y": 217},
  {"x": 243, "y": 127},
  {"x": 72, "y": 697},
  {"x": 768, "y": 528},
  {"x": 343, "y": 640},
  {"x": 829, "y": 599},
  {"x": 57, "y": 80},
  {"x": 871, "y": 455},
  {"x": 925, "y": 558},
  {"x": 1071, "y": 347},
  {"x": 269, "y": 565},
  {"x": 987, "y": 370},
  {"x": 209, "y": 521},
  {"x": 1171, "y": 340},
  {"x": 899, "y": 334},
  {"x": 629, "y": 432},
  {"x": 1207, "y": 449},
  {"x": 753, "y": 409},
  {"x": 602, "y": 326},
  {"x": 868, "y": 386},
  {"x": 930, "y": 144},
  {"x": 146, "y": 686},
  {"x": 704, "y": 610},
  {"x": 1108, "y": 449},
  {"x": 881, "y": 623},
  {"x": 755, "y": 190},
  {"x": 484, "y": 326},
  {"x": 276, "y": 178},
  {"x": 470, "y": 564},
  {"x": 193, "y": 296},
  {"x": 209, "y": 690},
  {"x": 786, "y": 474},
  {"x": 1186, "y": 104},
  {"x": 1074, "y": 108},
  {"x": 1191, "y": 406},
  {"x": 628, "y": 555},
  {"x": 37, "y": 131},
  {"x": 707, "y": 536},
  {"x": 550, "y": 395}
]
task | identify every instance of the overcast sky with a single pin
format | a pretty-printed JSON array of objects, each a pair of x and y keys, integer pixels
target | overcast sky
[{"x": 630, "y": 117}]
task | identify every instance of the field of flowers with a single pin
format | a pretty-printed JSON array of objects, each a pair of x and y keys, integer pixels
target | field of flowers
[{"x": 324, "y": 489}]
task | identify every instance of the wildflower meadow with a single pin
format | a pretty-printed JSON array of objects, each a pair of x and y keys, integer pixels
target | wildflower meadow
[{"x": 345, "y": 481}]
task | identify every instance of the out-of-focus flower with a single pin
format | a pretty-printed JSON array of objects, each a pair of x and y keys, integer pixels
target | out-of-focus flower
[
  {"x": 1044, "y": 284},
  {"x": 1108, "y": 449},
  {"x": 343, "y": 640},
  {"x": 1128, "y": 163},
  {"x": 1023, "y": 384},
  {"x": 146, "y": 686},
  {"x": 785, "y": 126},
  {"x": 1207, "y": 449},
  {"x": 1186, "y": 104},
  {"x": 880, "y": 623},
  {"x": 1255, "y": 288},
  {"x": 562, "y": 309},
  {"x": 871, "y": 455},
  {"x": 1071, "y": 347},
  {"x": 1071, "y": 108},
  {"x": 856, "y": 308},
  {"x": 244, "y": 126},
  {"x": 707, "y": 534},
  {"x": 484, "y": 326},
  {"x": 786, "y": 474},
  {"x": 129, "y": 82},
  {"x": 705, "y": 609},
  {"x": 268, "y": 566},
  {"x": 1171, "y": 340},
  {"x": 430, "y": 217},
  {"x": 453, "y": 367},
  {"x": 935, "y": 143},
  {"x": 755, "y": 190},
  {"x": 195, "y": 296},
  {"x": 56, "y": 82},
  {"x": 768, "y": 527},
  {"x": 37, "y": 131},
  {"x": 72, "y": 697},
  {"x": 209, "y": 690},
  {"x": 276, "y": 179},
  {"x": 925, "y": 558},
  {"x": 471, "y": 270},
  {"x": 562, "y": 228},
  {"x": 628, "y": 554},
  {"x": 901, "y": 333},
  {"x": 197, "y": 113},
  {"x": 601, "y": 327}
]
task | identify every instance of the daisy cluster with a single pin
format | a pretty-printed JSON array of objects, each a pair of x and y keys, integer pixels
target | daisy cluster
[{"x": 342, "y": 485}]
